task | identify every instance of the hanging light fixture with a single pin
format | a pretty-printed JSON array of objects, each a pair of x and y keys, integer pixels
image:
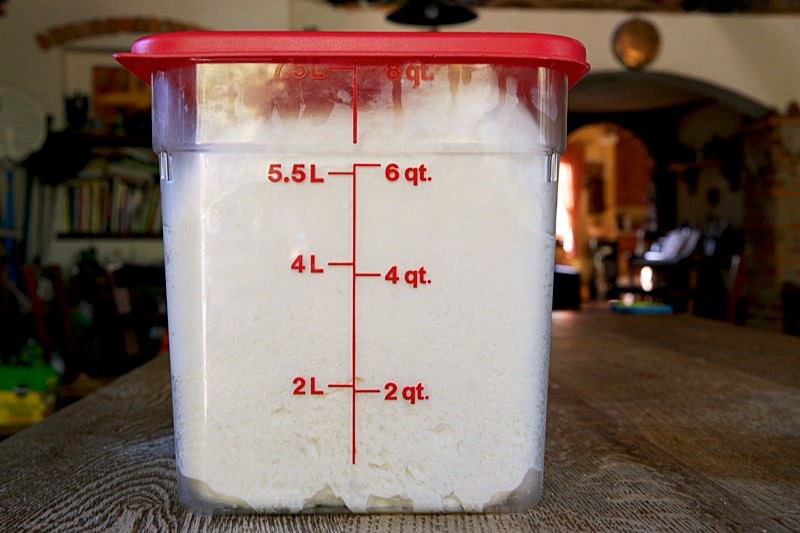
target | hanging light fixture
[{"x": 431, "y": 13}]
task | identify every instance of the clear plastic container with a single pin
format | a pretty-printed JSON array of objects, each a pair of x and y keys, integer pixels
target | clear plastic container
[{"x": 359, "y": 238}]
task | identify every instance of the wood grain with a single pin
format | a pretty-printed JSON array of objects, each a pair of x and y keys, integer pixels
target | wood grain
[{"x": 654, "y": 423}]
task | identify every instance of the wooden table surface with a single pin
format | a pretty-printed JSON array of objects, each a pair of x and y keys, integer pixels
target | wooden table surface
[{"x": 654, "y": 423}]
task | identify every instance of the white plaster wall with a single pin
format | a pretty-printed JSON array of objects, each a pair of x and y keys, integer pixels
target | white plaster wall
[
  {"x": 751, "y": 54},
  {"x": 41, "y": 72},
  {"x": 755, "y": 55}
]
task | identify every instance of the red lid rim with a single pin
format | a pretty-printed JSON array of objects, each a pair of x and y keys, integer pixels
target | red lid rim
[{"x": 170, "y": 50}]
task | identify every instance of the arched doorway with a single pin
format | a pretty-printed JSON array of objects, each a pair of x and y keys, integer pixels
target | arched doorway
[
  {"x": 684, "y": 134},
  {"x": 676, "y": 117},
  {"x": 605, "y": 201},
  {"x": 632, "y": 91}
]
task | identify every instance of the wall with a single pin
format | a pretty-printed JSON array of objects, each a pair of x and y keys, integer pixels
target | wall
[
  {"x": 751, "y": 54},
  {"x": 695, "y": 129},
  {"x": 40, "y": 72},
  {"x": 48, "y": 74},
  {"x": 772, "y": 217}
]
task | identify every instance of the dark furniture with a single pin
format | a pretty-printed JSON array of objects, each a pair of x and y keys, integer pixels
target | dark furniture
[
  {"x": 566, "y": 288},
  {"x": 790, "y": 299}
]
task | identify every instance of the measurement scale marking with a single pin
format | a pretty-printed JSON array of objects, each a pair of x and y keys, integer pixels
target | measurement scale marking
[
  {"x": 350, "y": 385},
  {"x": 353, "y": 325},
  {"x": 354, "y": 106},
  {"x": 353, "y": 328},
  {"x": 355, "y": 274},
  {"x": 353, "y": 306},
  {"x": 415, "y": 277},
  {"x": 351, "y": 172}
]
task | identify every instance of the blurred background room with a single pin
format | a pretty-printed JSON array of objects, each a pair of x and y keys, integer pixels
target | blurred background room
[{"x": 679, "y": 190}]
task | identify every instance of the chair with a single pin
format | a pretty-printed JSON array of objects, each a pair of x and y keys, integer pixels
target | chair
[{"x": 670, "y": 262}]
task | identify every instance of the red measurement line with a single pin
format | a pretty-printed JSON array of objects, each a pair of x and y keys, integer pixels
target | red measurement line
[
  {"x": 340, "y": 173},
  {"x": 369, "y": 274},
  {"x": 354, "y": 70},
  {"x": 340, "y": 385},
  {"x": 356, "y": 274},
  {"x": 340, "y": 263},
  {"x": 353, "y": 317},
  {"x": 355, "y": 106}
]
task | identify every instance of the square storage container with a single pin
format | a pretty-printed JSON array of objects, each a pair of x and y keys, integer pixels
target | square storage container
[{"x": 359, "y": 239}]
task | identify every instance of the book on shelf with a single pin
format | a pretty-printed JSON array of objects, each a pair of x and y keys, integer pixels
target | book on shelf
[
  {"x": 144, "y": 155},
  {"x": 117, "y": 193},
  {"x": 135, "y": 171}
]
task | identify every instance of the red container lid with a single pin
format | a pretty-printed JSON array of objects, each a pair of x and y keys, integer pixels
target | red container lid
[{"x": 172, "y": 50}]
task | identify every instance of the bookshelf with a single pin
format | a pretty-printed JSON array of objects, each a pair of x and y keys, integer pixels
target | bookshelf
[
  {"x": 115, "y": 196},
  {"x": 107, "y": 236},
  {"x": 111, "y": 205}
]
